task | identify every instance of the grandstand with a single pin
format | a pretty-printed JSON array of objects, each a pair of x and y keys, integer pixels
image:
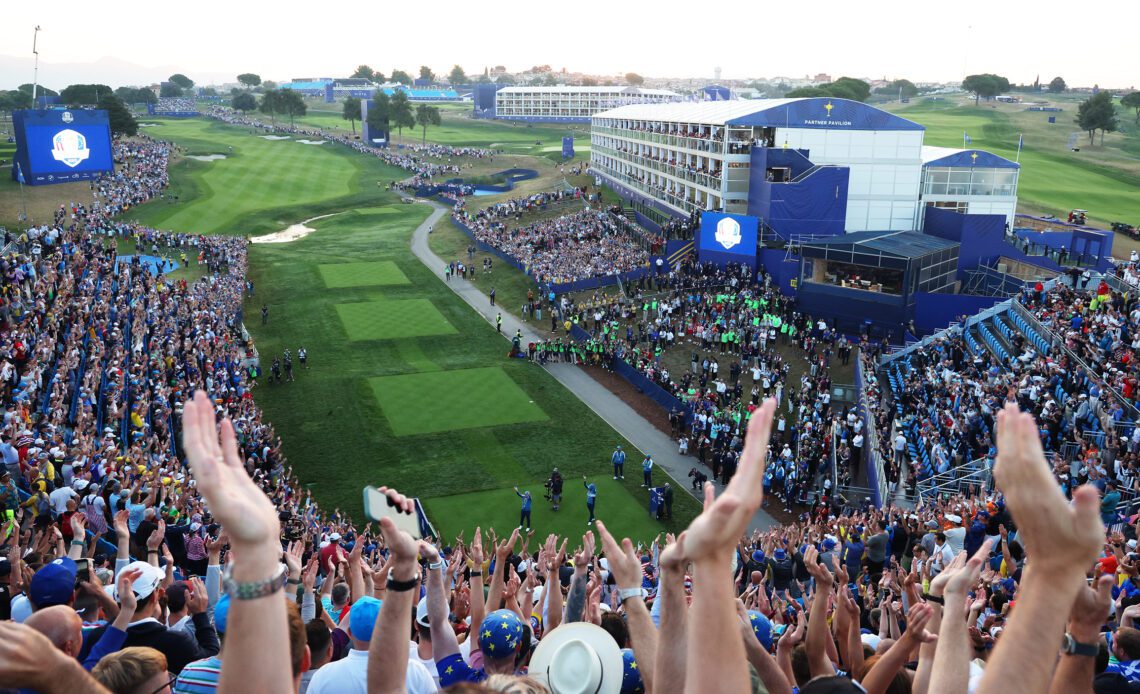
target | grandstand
[
  {"x": 334, "y": 89},
  {"x": 173, "y": 107},
  {"x": 564, "y": 104}
]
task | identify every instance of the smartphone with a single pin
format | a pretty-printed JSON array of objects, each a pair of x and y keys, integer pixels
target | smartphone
[
  {"x": 84, "y": 570},
  {"x": 377, "y": 506}
]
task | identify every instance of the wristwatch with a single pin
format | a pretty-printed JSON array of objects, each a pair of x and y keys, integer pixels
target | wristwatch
[
  {"x": 251, "y": 590},
  {"x": 627, "y": 593},
  {"x": 1070, "y": 646}
]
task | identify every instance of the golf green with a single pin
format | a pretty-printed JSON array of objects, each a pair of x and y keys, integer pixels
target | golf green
[
  {"x": 381, "y": 273},
  {"x": 392, "y": 319},
  {"x": 427, "y": 403}
]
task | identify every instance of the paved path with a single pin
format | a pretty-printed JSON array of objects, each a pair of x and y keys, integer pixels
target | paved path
[{"x": 635, "y": 428}]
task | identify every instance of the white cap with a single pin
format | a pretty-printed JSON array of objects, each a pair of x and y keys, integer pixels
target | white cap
[
  {"x": 422, "y": 613},
  {"x": 334, "y": 537},
  {"x": 148, "y": 581}
]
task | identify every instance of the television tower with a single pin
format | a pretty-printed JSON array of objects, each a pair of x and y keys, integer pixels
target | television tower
[{"x": 716, "y": 74}]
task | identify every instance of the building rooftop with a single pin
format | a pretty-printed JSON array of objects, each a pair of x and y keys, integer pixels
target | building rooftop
[
  {"x": 964, "y": 158},
  {"x": 816, "y": 112},
  {"x": 563, "y": 89},
  {"x": 896, "y": 244}
]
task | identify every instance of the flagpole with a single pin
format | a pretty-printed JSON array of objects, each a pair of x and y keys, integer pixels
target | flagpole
[{"x": 1020, "y": 139}]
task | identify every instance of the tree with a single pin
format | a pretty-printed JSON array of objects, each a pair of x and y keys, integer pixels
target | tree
[
  {"x": 380, "y": 112},
  {"x": 400, "y": 111},
  {"x": 425, "y": 116},
  {"x": 133, "y": 95},
  {"x": 507, "y": 80},
  {"x": 351, "y": 111},
  {"x": 634, "y": 79},
  {"x": 986, "y": 85},
  {"x": 484, "y": 79},
  {"x": 905, "y": 87},
  {"x": 169, "y": 89},
  {"x": 807, "y": 92},
  {"x": 427, "y": 74},
  {"x": 849, "y": 88},
  {"x": 84, "y": 94},
  {"x": 292, "y": 104},
  {"x": 41, "y": 90},
  {"x": 14, "y": 100},
  {"x": 268, "y": 84},
  {"x": 1057, "y": 85},
  {"x": 364, "y": 72},
  {"x": 244, "y": 102},
  {"x": 589, "y": 82},
  {"x": 456, "y": 76},
  {"x": 1132, "y": 101},
  {"x": 249, "y": 79},
  {"x": 119, "y": 117},
  {"x": 182, "y": 80},
  {"x": 402, "y": 77},
  {"x": 549, "y": 79},
  {"x": 1097, "y": 113},
  {"x": 207, "y": 91},
  {"x": 270, "y": 104}
]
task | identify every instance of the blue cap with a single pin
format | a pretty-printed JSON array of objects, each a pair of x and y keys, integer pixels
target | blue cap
[
  {"x": 780, "y": 553},
  {"x": 758, "y": 556},
  {"x": 53, "y": 584},
  {"x": 828, "y": 544},
  {"x": 221, "y": 613},
  {"x": 500, "y": 634},
  {"x": 362, "y": 617},
  {"x": 762, "y": 628},
  {"x": 631, "y": 675}
]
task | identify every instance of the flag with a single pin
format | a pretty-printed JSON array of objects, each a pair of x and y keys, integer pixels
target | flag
[
  {"x": 966, "y": 137},
  {"x": 1020, "y": 142}
]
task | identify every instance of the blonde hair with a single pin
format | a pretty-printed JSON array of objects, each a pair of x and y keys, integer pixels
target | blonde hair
[
  {"x": 515, "y": 684},
  {"x": 124, "y": 670}
]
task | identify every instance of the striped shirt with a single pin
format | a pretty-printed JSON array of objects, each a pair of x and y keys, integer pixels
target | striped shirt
[{"x": 199, "y": 677}]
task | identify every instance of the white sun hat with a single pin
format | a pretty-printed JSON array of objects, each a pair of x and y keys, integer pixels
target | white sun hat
[{"x": 578, "y": 658}]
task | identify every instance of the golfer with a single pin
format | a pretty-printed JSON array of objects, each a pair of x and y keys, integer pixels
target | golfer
[
  {"x": 524, "y": 513},
  {"x": 618, "y": 460},
  {"x": 591, "y": 498}
]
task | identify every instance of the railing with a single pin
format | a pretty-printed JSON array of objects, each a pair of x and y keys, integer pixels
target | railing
[
  {"x": 875, "y": 473},
  {"x": 952, "y": 329},
  {"x": 935, "y": 484},
  {"x": 980, "y": 478}
]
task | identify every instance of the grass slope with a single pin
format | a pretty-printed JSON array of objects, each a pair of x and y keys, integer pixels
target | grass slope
[
  {"x": 1103, "y": 180},
  {"x": 262, "y": 185},
  {"x": 448, "y": 418}
]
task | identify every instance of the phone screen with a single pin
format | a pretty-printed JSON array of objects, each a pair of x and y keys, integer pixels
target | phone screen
[{"x": 376, "y": 507}]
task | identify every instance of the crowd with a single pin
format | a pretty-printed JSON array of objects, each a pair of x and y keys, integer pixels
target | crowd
[
  {"x": 171, "y": 104},
  {"x": 155, "y": 541},
  {"x": 576, "y": 246},
  {"x": 728, "y": 323}
]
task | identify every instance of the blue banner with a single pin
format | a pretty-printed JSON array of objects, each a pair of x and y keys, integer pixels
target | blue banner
[
  {"x": 61, "y": 145},
  {"x": 728, "y": 238}
]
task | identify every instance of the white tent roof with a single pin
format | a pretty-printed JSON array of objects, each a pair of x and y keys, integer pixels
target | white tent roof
[
  {"x": 930, "y": 153},
  {"x": 710, "y": 112},
  {"x": 633, "y": 91}
]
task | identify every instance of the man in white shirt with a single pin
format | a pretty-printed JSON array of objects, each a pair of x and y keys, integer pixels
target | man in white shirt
[
  {"x": 60, "y": 497},
  {"x": 349, "y": 675},
  {"x": 421, "y": 651},
  {"x": 900, "y": 448}
]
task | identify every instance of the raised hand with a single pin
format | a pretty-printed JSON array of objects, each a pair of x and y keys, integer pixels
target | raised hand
[
  {"x": 623, "y": 560},
  {"x": 477, "y": 549},
  {"x": 234, "y": 499},
  {"x": 157, "y": 536},
  {"x": 583, "y": 556},
  {"x": 714, "y": 533},
  {"x": 916, "y": 621},
  {"x": 122, "y": 523},
  {"x": 823, "y": 577},
  {"x": 1061, "y": 539}
]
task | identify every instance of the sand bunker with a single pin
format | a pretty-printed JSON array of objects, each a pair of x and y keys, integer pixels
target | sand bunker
[
  {"x": 312, "y": 142},
  {"x": 275, "y": 137},
  {"x": 206, "y": 157},
  {"x": 292, "y": 233},
  {"x": 149, "y": 125}
]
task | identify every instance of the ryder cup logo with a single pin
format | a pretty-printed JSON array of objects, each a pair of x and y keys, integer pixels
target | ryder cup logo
[
  {"x": 728, "y": 232},
  {"x": 67, "y": 117},
  {"x": 70, "y": 148}
]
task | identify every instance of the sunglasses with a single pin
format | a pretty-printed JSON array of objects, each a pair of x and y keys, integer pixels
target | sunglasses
[{"x": 168, "y": 687}]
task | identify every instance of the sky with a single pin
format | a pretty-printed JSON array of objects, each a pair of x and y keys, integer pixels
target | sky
[{"x": 920, "y": 41}]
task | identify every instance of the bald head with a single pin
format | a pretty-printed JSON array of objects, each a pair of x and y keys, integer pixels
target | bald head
[{"x": 61, "y": 625}]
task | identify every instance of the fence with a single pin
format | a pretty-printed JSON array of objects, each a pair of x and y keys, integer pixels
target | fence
[{"x": 875, "y": 474}]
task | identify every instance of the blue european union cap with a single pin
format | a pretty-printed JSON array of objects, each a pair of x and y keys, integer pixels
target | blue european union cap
[
  {"x": 758, "y": 556},
  {"x": 500, "y": 634},
  {"x": 631, "y": 676},
  {"x": 762, "y": 628},
  {"x": 362, "y": 617}
]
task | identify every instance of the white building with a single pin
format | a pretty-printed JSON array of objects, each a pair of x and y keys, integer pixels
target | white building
[
  {"x": 571, "y": 104},
  {"x": 969, "y": 181},
  {"x": 692, "y": 156}
]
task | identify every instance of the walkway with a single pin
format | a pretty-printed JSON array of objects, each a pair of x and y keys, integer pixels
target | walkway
[{"x": 636, "y": 429}]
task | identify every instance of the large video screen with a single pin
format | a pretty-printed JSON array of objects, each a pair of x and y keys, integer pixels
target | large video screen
[
  {"x": 728, "y": 238},
  {"x": 58, "y": 146}
]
